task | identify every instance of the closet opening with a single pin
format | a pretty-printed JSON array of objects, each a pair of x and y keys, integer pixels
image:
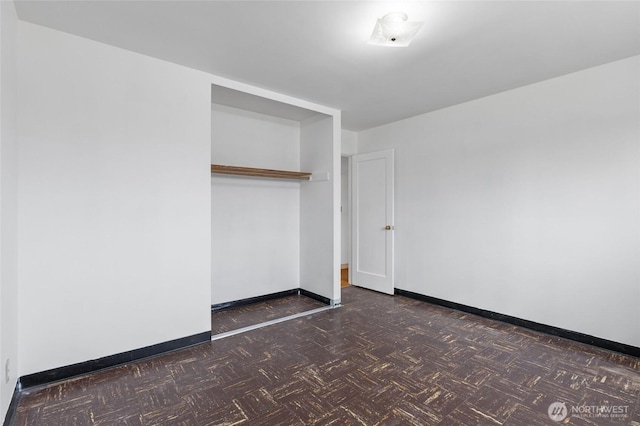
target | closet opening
[{"x": 275, "y": 176}]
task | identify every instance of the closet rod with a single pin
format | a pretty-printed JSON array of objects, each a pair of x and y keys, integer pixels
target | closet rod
[{"x": 251, "y": 171}]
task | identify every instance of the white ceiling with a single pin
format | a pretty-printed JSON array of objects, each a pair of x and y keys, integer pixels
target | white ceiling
[{"x": 318, "y": 51}]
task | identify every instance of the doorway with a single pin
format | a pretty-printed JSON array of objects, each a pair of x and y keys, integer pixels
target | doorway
[{"x": 345, "y": 220}]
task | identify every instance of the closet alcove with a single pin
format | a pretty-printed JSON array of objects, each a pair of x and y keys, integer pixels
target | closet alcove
[{"x": 275, "y": 197}]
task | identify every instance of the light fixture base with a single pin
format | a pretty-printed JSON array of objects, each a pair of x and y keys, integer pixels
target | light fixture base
[{"x": 394, "y": 30}]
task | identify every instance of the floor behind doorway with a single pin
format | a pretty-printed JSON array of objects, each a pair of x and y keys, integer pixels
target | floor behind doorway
[{"x": 344, "y": 276}]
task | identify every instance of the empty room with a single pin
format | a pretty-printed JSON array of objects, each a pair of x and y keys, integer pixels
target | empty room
[{"x": 319, "y": 212}]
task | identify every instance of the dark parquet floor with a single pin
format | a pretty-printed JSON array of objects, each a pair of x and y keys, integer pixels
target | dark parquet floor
[
  {"x": 376, "y": 360},
  {"x": 256, "y": 313}
]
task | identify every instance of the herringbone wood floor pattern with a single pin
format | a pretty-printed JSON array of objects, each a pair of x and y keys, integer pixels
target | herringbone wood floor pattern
[{"x": 376, "y": 360}]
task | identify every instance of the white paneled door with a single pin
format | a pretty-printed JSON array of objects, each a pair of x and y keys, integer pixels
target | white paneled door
[{"x": 373, "y": 226}]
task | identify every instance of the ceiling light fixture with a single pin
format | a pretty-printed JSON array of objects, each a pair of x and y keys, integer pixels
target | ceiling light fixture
[{"x": 394, "y": 30}]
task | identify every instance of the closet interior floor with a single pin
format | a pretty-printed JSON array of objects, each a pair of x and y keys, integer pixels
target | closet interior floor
[
  {"x": 256, "y": 313},
  {"x": 378, "y": 359}
]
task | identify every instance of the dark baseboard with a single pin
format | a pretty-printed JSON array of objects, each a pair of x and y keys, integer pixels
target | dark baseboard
[
  {"x": 543, "y": 328},
  {"x": 314, "y": 296},
  {"x": 66, "y": 372},
  {"x": 13, "y": 406},
  {"x": 251, "y": 300}
]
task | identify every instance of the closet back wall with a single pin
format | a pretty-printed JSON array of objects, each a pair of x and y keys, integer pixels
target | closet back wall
[{"x": 255, "y": 222}]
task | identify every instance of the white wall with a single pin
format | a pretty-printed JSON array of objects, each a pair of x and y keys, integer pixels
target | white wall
[
  {"x": 526, "y": 202},
  {"x": 320, "y": 207},
  {"x": 255, "y": 223},
  {"x": 114, "y": 230},
  {"x": 8, "y": 206},
  {"x": 349, "y": 143}
]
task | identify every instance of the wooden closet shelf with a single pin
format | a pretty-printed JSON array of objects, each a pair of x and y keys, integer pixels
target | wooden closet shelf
[{"x": 251, "y": 171}]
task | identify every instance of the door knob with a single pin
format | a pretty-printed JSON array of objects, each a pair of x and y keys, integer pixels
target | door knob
[{"x": 388, "y": 228}]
